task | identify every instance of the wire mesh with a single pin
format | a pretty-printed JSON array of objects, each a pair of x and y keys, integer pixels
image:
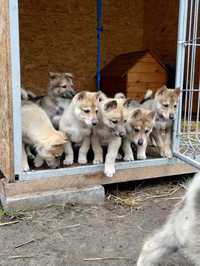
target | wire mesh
[{"x": 189, "y": 131}]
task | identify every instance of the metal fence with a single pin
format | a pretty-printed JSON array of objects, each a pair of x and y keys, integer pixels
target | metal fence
[{"x": 187, "y": 130}]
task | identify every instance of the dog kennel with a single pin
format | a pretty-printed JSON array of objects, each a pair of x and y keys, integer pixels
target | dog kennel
[{"x": 36, "y": 37}]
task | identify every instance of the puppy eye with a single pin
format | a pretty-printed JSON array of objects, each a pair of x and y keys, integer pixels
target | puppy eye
[
  {"x": 86, "y": 111},
  {"x": 136, "y": 129},
  {"x": 114, "y": 121},
  {"x": 125, "y": 121},
  {"x": 175, "y": 106},
  {"x": 146, "y": 131},
  {"x": 166, "y": 105},
  {"x": 64, "y": 86},
  {"x": 96, "y": 111}
]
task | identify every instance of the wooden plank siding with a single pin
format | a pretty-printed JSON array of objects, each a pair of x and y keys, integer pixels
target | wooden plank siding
[{"x": 6, "y": 119}]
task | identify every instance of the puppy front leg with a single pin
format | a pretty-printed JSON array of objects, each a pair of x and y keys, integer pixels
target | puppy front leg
[
  {"x": 127, "y": 150},
  {"x": 69, "y": 154},
  {"x": 141, "y": 151},
  {"x": 167, "y": 139},
  {"x": 82, "y": 156},
  {"x": 38, "y": 161},
  {"x": 158, "y": 138},
  {"x": 97, "y": 149},
  {"x": 25, "y": 166},
  {"x": 113, "y": 149}
]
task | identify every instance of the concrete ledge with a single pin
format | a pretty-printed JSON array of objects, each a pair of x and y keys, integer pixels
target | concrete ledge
[{"x": 89, "y": 195}]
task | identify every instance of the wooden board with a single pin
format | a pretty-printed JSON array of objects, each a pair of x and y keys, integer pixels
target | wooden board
[
  {"x": 146, "y": 77},
  {"x": 80, "y": 181},
  {"x": 6, "y": 122}
]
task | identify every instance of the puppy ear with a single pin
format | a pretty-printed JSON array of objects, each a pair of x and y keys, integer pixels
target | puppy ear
[
  {"x": 128, "y": 103},
  {"x": 80, "y": 96},
  {"x": 101, "y": 96},
  {"x": 161, "y": 90},
  {"x": 137, "y": 114},
  {"x": 177, "y": 91},
  {"x": 69, "y": 75},
  {"x": 53, "y": 75},
  {"x": 110, "y": 105},
  {"x": 151, "y": 115},
  {"x": 120, "y": 95}
]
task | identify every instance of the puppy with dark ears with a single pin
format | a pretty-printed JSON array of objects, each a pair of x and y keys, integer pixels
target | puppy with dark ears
[{"x": 60, "y": 93}]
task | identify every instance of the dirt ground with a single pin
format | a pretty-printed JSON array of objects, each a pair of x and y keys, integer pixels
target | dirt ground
[{"x": 74, "y": 235}]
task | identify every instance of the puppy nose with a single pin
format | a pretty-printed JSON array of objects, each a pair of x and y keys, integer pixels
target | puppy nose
[
  {"x": 122, "y": 134},
  {"x": 140, "y": 142},
  {"x": 94, "y": 122},
  {"x": 171, "y": 116}
]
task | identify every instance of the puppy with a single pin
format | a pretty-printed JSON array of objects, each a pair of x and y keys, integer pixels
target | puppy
[
  {"x": 77, "y": 122},
  {"x": 180, "y": 233},
  {"x": 60, "y": 94},
  {"x": 38, "y": 131},
  {"x": 164, "y": 104},
  {"x": 112, "y": 116},
  {"x": 120, "y": 95},
  {"x": 138, "y": 127}
]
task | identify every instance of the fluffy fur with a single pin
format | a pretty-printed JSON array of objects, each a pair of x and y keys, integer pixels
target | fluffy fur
[
  {"x": 164, "y": 104},
  {"x": 180, "y": 232},
  {"x": 38, "y": 131},
  {"x": 60, "y": 94},
  {"x": 77, "y": 122},
  {"x": 139, "y": 126},
  {"x": 112, "y": 117}
]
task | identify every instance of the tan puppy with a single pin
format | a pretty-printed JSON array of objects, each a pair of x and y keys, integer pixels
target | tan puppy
[
  {"x": 180, "y": 233},
  {"x": 38, "y": 131},
  {"x": 164, "y": 104},
  {"x": 77, "y": 122},
  {"x": 60, "y": 93},
  {"x": 112, "y": 117},
  {"x": 139, "y": 126}
]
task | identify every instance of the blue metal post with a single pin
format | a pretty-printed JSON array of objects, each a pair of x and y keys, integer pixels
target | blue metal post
[{"x": 99, "y": 30}]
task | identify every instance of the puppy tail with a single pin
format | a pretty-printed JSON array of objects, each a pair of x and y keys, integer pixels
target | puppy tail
[{"x": 147, "y": 96}]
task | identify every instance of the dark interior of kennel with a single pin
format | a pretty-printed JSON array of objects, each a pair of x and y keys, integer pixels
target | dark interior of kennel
[{"x": 61, "y": 36}]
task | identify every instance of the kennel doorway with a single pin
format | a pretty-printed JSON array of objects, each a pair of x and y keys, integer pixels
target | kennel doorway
[{"x": 10, "y": 139}]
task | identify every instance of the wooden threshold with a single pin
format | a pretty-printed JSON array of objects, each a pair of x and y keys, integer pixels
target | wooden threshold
[{"x": 81, "y": 181}]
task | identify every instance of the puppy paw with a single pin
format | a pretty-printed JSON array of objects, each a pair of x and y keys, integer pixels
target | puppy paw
[
  {"x": 141, "y": 156},
  {"x": 119, "y": 156},
  {"x": 25, "y": 168},
  {"x": 38, "y": 162},
  {"x": 128, "y": 157},
  {"x": 82, "y": 160},
  {"x": 68, "y": 161},
  {"x": 109, "y": 170},
  {"x": 168, "y": 154},
  {"x": 97, "y": 160}
]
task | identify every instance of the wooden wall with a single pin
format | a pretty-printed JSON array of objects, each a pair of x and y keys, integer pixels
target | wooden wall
[
  {"x": 160, "y": 28},
  {"x": 6, "y": 119},
  {"x": 61, "y": 36}
]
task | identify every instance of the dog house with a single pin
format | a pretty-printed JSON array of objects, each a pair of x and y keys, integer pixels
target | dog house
[
  {"x": 39, "y": 36},
  {"x": 133, "y": 73}
]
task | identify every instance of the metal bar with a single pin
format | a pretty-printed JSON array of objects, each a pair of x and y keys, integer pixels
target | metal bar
[
  {"x": 16, "y": 83},
  {"x": 180, "y": 59},
  {"x": 187, "y": 160},
  {"x": 91, "y": 169},
  {"x": 99, "y": 31}
]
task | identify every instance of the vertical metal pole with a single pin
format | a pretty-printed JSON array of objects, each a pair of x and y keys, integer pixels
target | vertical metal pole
[
  {"x": 180, "y": 61},
  {"x": 99, "y": 30},
  {"x": 16, "y": 84}
]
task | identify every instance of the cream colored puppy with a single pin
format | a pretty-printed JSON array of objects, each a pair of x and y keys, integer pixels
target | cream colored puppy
[
  {"x": 77, "y": 122},
  {"x": 112, "y": 117},
  {"x": 38, "y": 131}
]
